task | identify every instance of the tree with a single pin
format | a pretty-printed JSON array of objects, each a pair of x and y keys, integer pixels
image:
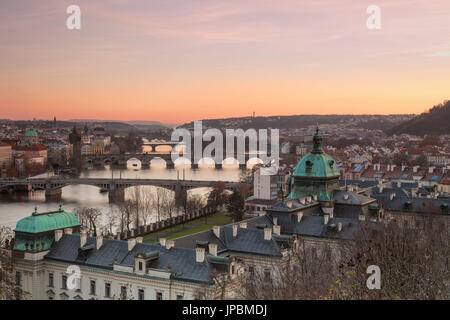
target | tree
[
  {"x": 307, "y": 273},
  {"x": 90, "y": 219},
  {"x": 217, "y": 196},
  {"x": 413, "y": 259},
  {"x": 236, "y": 201},
  {"x": 9, "y": 289}
]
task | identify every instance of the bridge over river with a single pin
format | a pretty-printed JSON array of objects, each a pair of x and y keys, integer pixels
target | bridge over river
[{"x": 115, "y": 187}]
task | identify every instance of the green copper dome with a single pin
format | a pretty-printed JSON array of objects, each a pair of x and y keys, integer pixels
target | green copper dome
[
  {"x": 31, "y": 133},
  {"x": 48, "y": 221},
  {"x": 316, "y": 164},
  {"x": 316, "y": 174}
]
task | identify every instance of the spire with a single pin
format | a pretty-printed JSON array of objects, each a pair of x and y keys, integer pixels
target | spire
[{"x": 317, "y": 141}]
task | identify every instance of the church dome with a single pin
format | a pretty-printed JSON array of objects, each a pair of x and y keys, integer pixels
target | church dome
[
  {"x": 31, "y": 134},
  {"x": 49, "y": 221},
  {"x": 317, "y": 164}
]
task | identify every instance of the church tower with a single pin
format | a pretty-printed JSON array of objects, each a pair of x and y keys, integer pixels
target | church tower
[{"x": 315, "y": 175}]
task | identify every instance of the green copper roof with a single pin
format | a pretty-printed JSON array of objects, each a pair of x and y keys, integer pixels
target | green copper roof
[
  {"x": 316, "y": 164},
  {"x": 48, "y": 221},
  {"x": 31, "y": 133}
]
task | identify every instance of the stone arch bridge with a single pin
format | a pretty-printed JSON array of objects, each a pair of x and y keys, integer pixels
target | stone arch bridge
[{"x": 115, "y": 187}]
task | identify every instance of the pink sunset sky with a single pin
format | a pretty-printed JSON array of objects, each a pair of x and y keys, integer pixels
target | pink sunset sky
[{"x": 177, "y": 61}]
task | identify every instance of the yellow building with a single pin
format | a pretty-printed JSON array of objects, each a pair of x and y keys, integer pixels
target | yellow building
[{"x": 5, "y": 155}]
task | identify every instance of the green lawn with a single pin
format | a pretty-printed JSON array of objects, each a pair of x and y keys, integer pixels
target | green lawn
[{"x": 191, "y": 227}]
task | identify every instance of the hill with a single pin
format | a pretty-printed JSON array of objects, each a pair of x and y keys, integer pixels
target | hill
[
  {"x": 435, "y": 121},
  {"x": 300, "y": 121}
]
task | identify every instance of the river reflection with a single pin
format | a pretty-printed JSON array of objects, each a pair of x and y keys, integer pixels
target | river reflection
[{"x": 20, "y": 205}]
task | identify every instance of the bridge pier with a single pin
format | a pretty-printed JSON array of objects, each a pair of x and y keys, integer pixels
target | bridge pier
[
  {"x": 116, "y": 195},
  {"x": 180, "y": 196},
  {"x": 53, "y": 194}
]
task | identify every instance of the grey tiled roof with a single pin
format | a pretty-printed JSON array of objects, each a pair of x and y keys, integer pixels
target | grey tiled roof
[
  {"x": 353, "y": 198},
  {"x": 418, "y": 205},
  {"x": 248, "y": 240},
  {"x": 182, "y": 261}
]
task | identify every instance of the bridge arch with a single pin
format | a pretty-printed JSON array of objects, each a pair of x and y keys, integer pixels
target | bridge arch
[
  {"x": 253, "y": 162},
  {"x": 182, "y": 163},
  {"x": 134, "y": 162},
  {"x": 206, "y": 163},
  {"x": 230, "y": 163},
  {"x": 158, "y": 163}
]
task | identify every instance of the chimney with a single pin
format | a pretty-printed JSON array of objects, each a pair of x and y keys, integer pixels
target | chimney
[
  {"x": 243, "y": 225},
  {"x": 302, "y": 200},
  {"x": 431, "y": 169},
  {"x": 380, "y": 189},
  {"x": 58, "y": 235},
  {"x": 392, "y": 195},
  {"x": 339, "y": 226},
  {"x": 267, "y": 234},
  {"x": 299, "y": 216},
  {"x": 399, "y": 184},
  {"x": 83, "y": 238},
  {"x": 362, "y": 217},
  {"x": 345, "y": 196},
  {"x": 315, "y": 197},
  {"x": 403, "y": 167},
  {"x": 212, "y": 248},
  {"x": 393, "y": 167},
  {"x": 99, "y": 241},
  {"x": 162, "y": 242},
  {"x": 235, "y": 230},
  {"x": 216, "y": 230},
  {"x": 308, "y": 199},
  {"x": 277, "y": 230},
  {"x": 199, "y": 254},
  {"x": 68, "y": 230},
  {"x": 139, "y": 239},
  {"x": 131, "y": 243},
  {"x": 388, "y": 167},
  {"x": 170, "y": 244},
  {"x": 275, "y": 220},
  {"x": 415, "y": 168},
  {"x": 325, "y": 219}
]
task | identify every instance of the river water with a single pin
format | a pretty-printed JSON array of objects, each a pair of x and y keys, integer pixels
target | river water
[{"x": 17, "y": 206}]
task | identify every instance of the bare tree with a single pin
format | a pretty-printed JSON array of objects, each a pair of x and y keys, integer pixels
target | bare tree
[
  {"x": 90, "y": 219},
  {"x": 10, "y": 288},
  {"x": 413, "y": 260},
  {"x": 305, "y": 274}
]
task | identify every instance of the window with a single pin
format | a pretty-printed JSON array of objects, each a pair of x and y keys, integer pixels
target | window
[
  {"x": 140, "y": 266},
  {"x": 179, "y": 297},
  {"x": 18, "y": 278},
  {"x": 267, "y": 274},
  {"x": 50, "y": 280},
  {"x": 92, "y": 287},
  {"x": 64, "y": 282},
  {"x": 78, "y": 283},
  {"x": 251, "y": 270},
  {"x": 141, "y": 294},
  {"x": 123, "y": 293},
  {"x": 107, "y": 290},
  {"x": 159, "y": 296}
]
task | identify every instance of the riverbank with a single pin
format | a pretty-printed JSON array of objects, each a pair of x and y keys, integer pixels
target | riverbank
[{"x": 191, "y": 227}]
